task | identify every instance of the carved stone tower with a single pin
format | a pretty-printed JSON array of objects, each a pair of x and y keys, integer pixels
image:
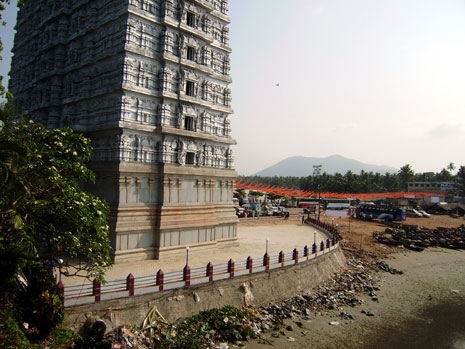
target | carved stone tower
[{"x": 147, "y": 81}]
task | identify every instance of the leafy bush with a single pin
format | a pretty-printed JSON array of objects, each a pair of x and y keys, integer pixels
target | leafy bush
[
  {"x": 226, "y": 324},
  {"x": 11, "y": 333},
  {"x": 93, "y": 340},
  {"x": 41, "y": 305}
]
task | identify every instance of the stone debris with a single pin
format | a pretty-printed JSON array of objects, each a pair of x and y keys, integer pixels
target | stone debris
[
  {"x": 290, "y": 339},
  {"x": 196, "y": 297},
  {"x": 127, "y": 338},
  {"x": 343, "y": 290},
  {"x": 417, "y": 239},
  {"x": 385, "y": 267}
]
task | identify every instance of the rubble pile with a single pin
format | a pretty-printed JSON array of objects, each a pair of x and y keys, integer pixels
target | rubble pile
[
  {"x": 214, "y": 328},
  {"x": 418, "y": 239},
  {"x": 385, "y": 267}
]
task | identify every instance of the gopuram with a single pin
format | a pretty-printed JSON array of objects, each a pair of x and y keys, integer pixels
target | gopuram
[{"x": 147, "y": 82}]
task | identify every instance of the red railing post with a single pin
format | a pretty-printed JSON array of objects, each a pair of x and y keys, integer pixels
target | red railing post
[
  {"x": 295, "y": 256},
  {"x": 186, "y": 275},
  {"x": 249, "y": 264},
  {"x": 231, "y": 268},
  {"x": 210, "y": 271},
  {"x": 266, "y": 261},
  {"x": 97, "y": 290},
  {"x": 160, "y": 279},
  {"x": 281, "y": 258},
  {"x": 61, "y": 288},
  {"x": 130, "y": 284}
]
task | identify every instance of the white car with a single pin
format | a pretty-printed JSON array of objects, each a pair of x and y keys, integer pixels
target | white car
[
  {"x": 413, "y": 213},
  {"x": 424, "y": 213}
]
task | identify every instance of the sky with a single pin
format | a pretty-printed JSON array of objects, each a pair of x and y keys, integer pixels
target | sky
[{"x": 378, "y": 81}]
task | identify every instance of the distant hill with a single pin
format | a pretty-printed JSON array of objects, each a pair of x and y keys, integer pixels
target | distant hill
[{"x": 301, "y": 166}]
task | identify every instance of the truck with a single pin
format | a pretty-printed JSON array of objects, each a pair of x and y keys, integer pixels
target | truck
[{"x": 380, "y": 212}]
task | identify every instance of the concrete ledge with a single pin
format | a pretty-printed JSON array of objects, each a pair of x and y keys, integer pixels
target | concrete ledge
[
  {"x": 254, "y": 289},
  {"x": 138, "y": 254}
]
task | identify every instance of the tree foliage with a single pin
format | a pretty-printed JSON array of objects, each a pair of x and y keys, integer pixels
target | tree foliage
[
  {"x": 44, "y": 214},
  {"x": 364, "y": 182},
  {"x": 3, "y": 4},
  {"x": 460, "y": 181}
]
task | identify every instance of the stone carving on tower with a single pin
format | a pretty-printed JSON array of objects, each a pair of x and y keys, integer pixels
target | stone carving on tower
[{"x": 148, "y": 82}]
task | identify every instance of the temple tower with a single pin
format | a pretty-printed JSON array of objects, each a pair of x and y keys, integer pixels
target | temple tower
[{"x": 147, "y": 81}]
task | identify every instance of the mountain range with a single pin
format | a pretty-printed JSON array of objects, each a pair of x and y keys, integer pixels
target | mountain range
[{"x": 301, "y": 166}]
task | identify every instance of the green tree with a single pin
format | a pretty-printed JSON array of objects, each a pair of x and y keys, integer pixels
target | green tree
[
  {"x": 451, "y": 167},
  {"x": 406, "y": 175},
  {"x": 44, "y": 214},
  {"x": 239, "y": 193},
  {"x": 460, "y": 181},
  {"x": 3, "y": 4}
]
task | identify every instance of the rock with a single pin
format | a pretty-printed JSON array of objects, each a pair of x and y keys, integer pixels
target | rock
[
  {"x": 304, "y": 332},
  {"x": 275, "y": 335},
  {"x": 290, "y": 339},
  {"x": 248, "y": 297},
  {"x": 334, "y": 323},
  {"x": 299, "y": 324},
  {"x": 455, "y": 291},
  {"x": 196, "y": 297},
  {"x": 289, "y": 328},
  {"x": 369, "y": 314}
]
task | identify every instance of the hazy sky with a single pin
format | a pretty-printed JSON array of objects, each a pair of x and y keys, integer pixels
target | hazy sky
[{"x": 379, "y": 81}]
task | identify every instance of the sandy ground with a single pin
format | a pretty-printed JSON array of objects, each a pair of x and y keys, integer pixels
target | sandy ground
[
  {"x": 423, "y": 308},
  {"x": 283, "y": 235},
  {"x": 359, "y": 234}
]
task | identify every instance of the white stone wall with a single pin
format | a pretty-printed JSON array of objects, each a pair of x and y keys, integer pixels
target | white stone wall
[{"x": 148, "y": 82}]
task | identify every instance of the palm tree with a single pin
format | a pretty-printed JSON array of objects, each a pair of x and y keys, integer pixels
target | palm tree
[
  {"x": 451, "y": 167},
  {"x": 406, "y": 175}
]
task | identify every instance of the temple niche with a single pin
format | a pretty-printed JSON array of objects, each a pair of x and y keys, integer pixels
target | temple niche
[{"x": 148, "y": 82}]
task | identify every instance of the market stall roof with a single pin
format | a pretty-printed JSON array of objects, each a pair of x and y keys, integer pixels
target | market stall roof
[{"x": 298, "y": 193}]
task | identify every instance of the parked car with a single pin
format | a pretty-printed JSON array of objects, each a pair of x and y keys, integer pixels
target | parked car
[
  {"x": 240, "y": 212},
  {"x": 267, "y": 211},
  {"x": 424, "y": 213},
  {"x": 411, "y": 212}
]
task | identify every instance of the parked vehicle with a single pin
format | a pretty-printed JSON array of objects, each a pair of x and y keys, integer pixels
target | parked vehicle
[
  {"x": 307, "y": 203},
  {"x": 385, "y": 213},
  {"x": 274, "y": 210},
  {"x": 411, "y": 212},
  {"x": 424, "y": 213},
  {"x": 240, "y": 212}
]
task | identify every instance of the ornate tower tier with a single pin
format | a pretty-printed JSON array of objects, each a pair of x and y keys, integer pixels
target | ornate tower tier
[{"x": 147, "y": 81}]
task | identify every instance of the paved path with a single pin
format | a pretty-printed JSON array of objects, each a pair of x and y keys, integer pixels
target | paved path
[{"x": 251, "y": 242}]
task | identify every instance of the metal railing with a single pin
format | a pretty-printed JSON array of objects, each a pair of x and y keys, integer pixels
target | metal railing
[{"x": 133, "y": 286}]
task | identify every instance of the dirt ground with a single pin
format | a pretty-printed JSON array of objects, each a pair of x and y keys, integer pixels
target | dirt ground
[
  {"x": 357, "y": 234},
  {"x": 423, "y": 308}
]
